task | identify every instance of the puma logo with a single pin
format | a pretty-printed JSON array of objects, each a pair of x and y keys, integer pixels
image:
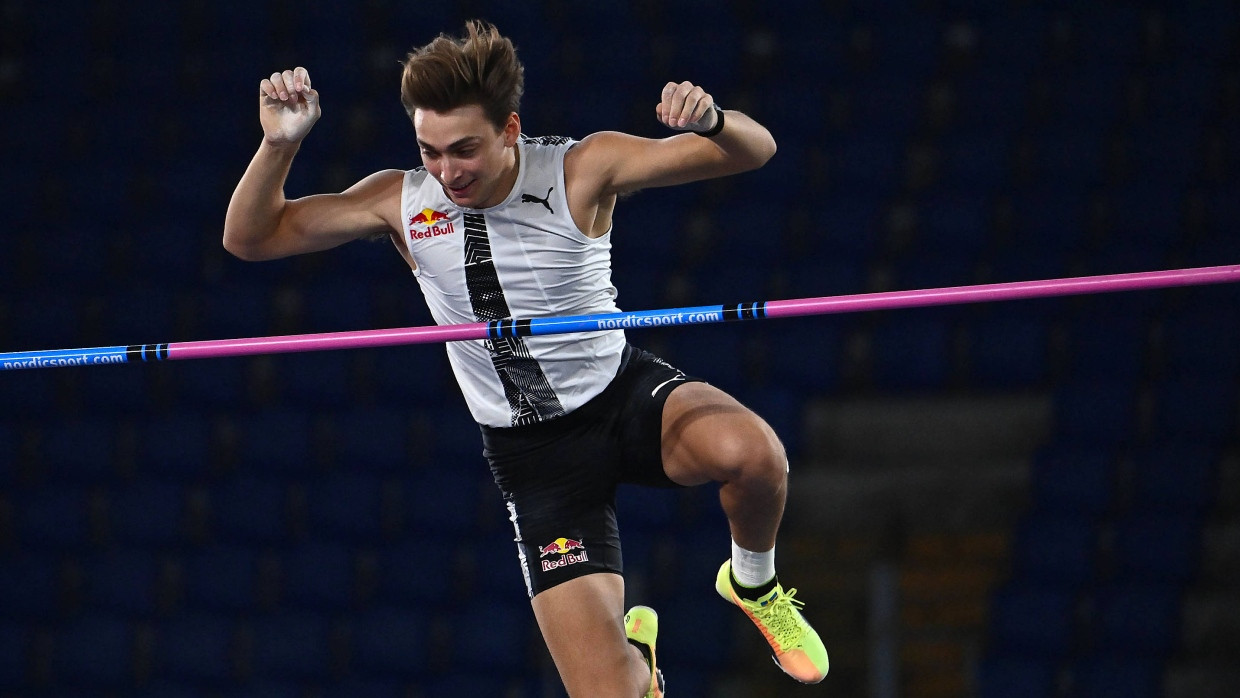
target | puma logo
[{"x": 531, "y": 199}]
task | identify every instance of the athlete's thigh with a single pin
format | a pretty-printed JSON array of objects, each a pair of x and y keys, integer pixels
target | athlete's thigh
[
  {"x": 708, "y": 434},
  {"x": 582, "y": 622}
]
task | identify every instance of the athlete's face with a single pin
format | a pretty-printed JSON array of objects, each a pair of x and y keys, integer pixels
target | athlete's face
[{"x": 475, "y": 162}]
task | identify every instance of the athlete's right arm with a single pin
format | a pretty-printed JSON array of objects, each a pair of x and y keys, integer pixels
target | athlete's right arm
[{"x": 261, "y": 224}]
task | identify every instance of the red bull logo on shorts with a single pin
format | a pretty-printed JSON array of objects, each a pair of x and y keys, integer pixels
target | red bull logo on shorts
[
  {"x": 429, "y": 223},
  {"x": 563, "y": 547}
]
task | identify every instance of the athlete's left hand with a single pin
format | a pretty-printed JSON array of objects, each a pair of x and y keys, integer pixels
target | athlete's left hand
[{"x": 686, "y": 107}]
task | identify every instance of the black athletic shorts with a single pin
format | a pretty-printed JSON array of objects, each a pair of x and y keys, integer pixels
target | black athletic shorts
[{"x": 559, "y": 477}]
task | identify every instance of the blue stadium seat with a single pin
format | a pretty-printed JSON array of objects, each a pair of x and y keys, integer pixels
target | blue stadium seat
[
  {"x": 847, "y": 218},
  {"x": 10, "y": 440},
  {"x": 175, "y": 447},
  {"x": 1028, "y": 260},
  {"x": 1139, "y": 621},
  {"x": 392, "y": 642},
  {"x": 316, "y": 380},
  {"x": 805, "y": 355},
  {"x": 991, "y": 101},
  {"x": 1015, "y": 677},
  {"x": 148, "y": 513},
  {"x": 119, "y": 391},
  {"x": 871, "y": 160},
  {"x": 1201, "y": 344},
  {"x": 444, "y": 500},
  {"x": 1051, "y": 216},
  {"x": 1012, "y": 351},
  {"x": 94, "y": 651},
  {"x": 712, "y": 352},
  {"x": 269, "y": 688},
  {"x": 412, "y": 376},
  {"x": 121, "y": 581},
  {"x": 1115, "y": 676},
  {"x": 198, "y": 648},
  {"x": 368, "y": 686},
  {"x": 1055, "y": 550},
  {"x": 955, "y": 222},
  {"x": 81, "y": 452},
  {"x": 644, "y": 508},
  {"x": 1070, "y": 156},
  {"x": 974, "y": 158},
  {"x": 1032, "y": 621},
  {"x": 469, "y": 684},
  {"x": 319, "y": 575},
  {"x": 167, "y": 256},
  {"x": 222, "y": 579},
  {"x": 692, "y": 628},
  {"x": 215, "y": 384},
  {"x": 250, "y": 510},
  {"x": 337, "y": 306},
  {"x": 47, "y": 320},
  {"x": 912, "y": 352},
  {"x": 30, "y": 586},
  {"x": 1157, "y": 547},
  {"x": 53, "y": 519},
  {"x": 1202, "y": 408},
  {"x": 14, "y": 644},
  {"x": 292, "y": 646},
  {"x": 412, "y": 572},
  {"x": 1074, "y": 480},
  {"x": 1174, "y": 476},
  {"x": 276, "y": 442},
  {"x": 236, "y": 311},
  {"x": 372, "y": 440},
  {"x": 347, "y": 506},
  {"x": 889, "y": 106},
  {"x": 501, "y": 650},
  {"x": 1108, "y": 347},
  {"x": 1097, "y": 412}
]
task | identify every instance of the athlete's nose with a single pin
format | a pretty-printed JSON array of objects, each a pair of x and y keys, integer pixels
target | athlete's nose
[{"x": 447, "y": 170}]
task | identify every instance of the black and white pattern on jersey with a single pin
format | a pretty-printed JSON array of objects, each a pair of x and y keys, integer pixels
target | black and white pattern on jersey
[
  {"x": 545, "y": 140},
  {"x": 530, "y": 397}
]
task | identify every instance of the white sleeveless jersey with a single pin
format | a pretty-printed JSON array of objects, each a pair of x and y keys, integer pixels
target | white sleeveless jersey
[{"x": 524, "y": 258}]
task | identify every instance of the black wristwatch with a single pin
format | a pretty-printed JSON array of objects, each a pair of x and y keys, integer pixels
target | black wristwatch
[{"x": 713, "y": 130}]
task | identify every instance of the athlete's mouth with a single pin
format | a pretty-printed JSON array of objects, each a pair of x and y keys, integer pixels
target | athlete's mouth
[{"x": 461, "y": 189}]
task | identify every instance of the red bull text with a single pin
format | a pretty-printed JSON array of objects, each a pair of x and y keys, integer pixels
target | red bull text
[
  {"x": 563, "y": 547},
  {"x": 429, "y": 223}
]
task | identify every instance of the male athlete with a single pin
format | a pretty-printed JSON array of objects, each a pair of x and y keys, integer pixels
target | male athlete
[{"x": 497, "y": 225}]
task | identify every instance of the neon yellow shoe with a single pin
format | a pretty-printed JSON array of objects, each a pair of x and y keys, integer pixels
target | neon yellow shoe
[
  {"x": 641, "y": 625},
  {"x": 797, "y": 647}
]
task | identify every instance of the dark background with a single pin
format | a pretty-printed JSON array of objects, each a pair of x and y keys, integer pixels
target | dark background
[{"x": 1031, "y": 498}]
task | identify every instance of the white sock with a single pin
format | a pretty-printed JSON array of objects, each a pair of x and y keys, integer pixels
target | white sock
[{"x": 752, "y": 569}]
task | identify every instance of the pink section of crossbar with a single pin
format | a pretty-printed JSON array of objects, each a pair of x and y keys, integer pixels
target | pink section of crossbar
[
  {"x": 328, "y": 340},
  {"x": 891, "y": 300}
]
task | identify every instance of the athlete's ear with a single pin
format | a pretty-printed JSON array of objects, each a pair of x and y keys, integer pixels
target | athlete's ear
[{"x": 512, "y": 130}]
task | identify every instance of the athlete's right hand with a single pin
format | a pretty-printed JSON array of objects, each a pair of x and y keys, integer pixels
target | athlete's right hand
[{"x": 287, "y": 106}]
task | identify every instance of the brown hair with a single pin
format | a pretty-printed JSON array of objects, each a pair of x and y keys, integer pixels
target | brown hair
[{"x": 479, "y": 68}]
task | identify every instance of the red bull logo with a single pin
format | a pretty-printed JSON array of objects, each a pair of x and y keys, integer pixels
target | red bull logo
[
  {"x": 563, "y": 547},
  {"x": 429, "y": 223}
]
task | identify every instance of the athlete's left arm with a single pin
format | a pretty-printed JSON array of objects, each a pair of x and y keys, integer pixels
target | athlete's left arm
[{"x": 611, "y": 163}]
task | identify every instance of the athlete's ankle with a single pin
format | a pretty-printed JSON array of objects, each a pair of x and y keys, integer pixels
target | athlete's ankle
[{"x": 753, "y": 593}]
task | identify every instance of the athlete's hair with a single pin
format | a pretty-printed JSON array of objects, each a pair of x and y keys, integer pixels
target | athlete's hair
[{"x": 479, "y": 68}]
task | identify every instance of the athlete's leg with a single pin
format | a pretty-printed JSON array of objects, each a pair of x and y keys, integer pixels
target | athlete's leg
[
  {"x": 708, "y": 436},
  {"x": 582, "y": 622}
]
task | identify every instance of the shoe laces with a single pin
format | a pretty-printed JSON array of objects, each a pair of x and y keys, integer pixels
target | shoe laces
[{"x": 781, "y": 618}]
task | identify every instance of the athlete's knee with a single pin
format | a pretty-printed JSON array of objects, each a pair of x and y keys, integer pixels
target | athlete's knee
[{"x": 750, "y": 451}]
